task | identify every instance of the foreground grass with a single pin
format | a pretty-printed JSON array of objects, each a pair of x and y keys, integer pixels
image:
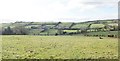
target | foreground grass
[{"x": 58, "y": 47}]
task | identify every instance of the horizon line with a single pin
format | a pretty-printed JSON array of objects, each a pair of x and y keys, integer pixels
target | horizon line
[{"x": 55, "y": 21}]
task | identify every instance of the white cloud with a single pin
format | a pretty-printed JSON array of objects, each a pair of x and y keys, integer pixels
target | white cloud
[{"x": 50, "y": 10}]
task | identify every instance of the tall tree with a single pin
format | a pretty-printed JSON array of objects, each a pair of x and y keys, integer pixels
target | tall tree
[
  {"x": 20, "y": 30},
  {"x": 7, "y": 31}
]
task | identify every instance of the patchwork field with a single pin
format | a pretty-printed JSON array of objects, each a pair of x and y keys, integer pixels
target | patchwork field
[{"x": 58, "y": 47}]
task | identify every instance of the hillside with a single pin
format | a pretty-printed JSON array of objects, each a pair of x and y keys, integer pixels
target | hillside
[{"x": 62, "y": 28}]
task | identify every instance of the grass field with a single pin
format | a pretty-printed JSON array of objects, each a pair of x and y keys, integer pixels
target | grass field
[
  {"x": 80, "y": 26},
  {"x": 58, "y": 47},
  {"x": 97, "y": 26}
]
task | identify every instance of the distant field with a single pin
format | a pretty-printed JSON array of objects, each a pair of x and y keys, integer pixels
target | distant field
[
  {"x": 70, "y": 31},
  {"x": 97, "y": 25},
  {"x": 56, "y": 47},
  {"x": 80, "y": 26}
]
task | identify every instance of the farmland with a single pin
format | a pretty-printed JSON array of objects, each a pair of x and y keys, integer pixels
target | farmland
[
  {"x": 58, "y": 47},
  {"x": 60, "y": 40},
  {"x": 59, "y": 28}
]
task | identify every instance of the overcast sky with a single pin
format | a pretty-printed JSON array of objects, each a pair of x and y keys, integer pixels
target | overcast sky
[{"x": 57, "y": 10}]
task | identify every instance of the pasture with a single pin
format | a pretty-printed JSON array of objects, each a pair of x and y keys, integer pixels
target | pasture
[{"x": 58, "y": 47}]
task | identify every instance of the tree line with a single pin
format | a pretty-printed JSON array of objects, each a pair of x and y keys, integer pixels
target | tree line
[{"x": 18, "y": 30}]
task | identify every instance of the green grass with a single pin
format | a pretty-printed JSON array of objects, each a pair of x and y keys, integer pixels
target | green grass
[
  {"x": 40, "y": 23},
  {"x": 29, "y": 26},
  {"x": 113, "y": 24},
  {"x": 34, "y": 31},
  {"x": 80, "y": 26},
  {"x": 97, "y": 26},
  {"x": 65, "y": 24},
  {"x": 56, "y": 47},
  {"x": 103, "y": 33},
  {"x": 49, "y": 26},
  {"x": 70, "y": 31},
  {"x": 5, "y": 25}
]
